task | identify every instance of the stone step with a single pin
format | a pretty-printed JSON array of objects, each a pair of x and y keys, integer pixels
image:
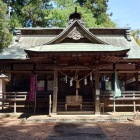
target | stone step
[
  {"x": 77, "y": 118},
  {"x": 76, "y": 108},
  {"x": 75, "y": 112}
]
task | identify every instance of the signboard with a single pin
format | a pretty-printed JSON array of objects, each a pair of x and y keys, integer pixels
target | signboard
[
  {"x": 40, "y": 85},
  {"x": 33, "y": 84}
]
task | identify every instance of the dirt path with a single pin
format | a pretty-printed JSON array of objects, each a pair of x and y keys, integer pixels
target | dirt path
[
  {"x": 14, "y": 129},
  {"x": 77, "y": 131}
]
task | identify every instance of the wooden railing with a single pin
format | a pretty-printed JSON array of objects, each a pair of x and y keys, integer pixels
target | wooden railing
[
  {"x": 21, "y": 99},
  {"x": 10, "y": 99},
  {"x": 128, "y": 99},
  {"x": 126, "y": 95}
]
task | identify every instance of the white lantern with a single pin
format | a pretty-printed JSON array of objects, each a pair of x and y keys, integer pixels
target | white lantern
[
  {"x": 91, "y": 77},
  {"x": 71, "y": 82},
  {"x": 85, "y": 81}
]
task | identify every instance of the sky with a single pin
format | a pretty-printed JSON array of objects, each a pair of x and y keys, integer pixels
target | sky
[{"x": 126, "y": 13}]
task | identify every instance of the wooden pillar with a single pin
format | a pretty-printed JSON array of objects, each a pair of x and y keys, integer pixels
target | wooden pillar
[
  {"x": 50, "y": 105},
  {"x": 125, "y": 81},
  {"x": 2, "y": 90},
  {"x": 137, "y": 81},
  {"x": 1, "y": 93},
  {"x": 55, "y": 91},
  {"x": 15, "y": 107},
  {"x": 97, "y": 93}
]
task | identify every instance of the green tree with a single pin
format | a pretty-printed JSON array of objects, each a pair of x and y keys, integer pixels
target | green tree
[
  {"x": 40, "y": 13},
  {"x": 60, "y": 13},
  {"x": 5, "y": 36},
  {"x": 28, "y": 12},
  {"x": 99, "y": 10},
  {"x": 14, "y": 22},
  {"x": 136, "y": 35},
  {"x": 63, "y": 3},
  {"x": 35, "y": 11}
]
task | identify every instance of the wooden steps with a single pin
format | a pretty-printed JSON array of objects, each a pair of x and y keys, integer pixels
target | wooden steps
[
  {"x": 75, "y": 112},
  {"x": 88, "y": 106}
]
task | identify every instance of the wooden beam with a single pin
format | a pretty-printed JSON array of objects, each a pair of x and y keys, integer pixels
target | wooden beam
[
  {"x": 97, "y": 93},
  {"x": 106, "y": 71},
  {"x": 132, "y": 71},
  {"x": 39, "y": 71},
  {"x": 15, "y": 71},
  {"x": 55, "y": 92},
  {"x": 23, "y": 66},
  {"x": 124, "y": 71},
  {"x": 125, "y": 67}
]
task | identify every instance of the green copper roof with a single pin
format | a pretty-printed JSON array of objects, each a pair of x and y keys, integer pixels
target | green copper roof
[
  {"x": 14, "y": 53},
  {"x": 76, "y": 47}
]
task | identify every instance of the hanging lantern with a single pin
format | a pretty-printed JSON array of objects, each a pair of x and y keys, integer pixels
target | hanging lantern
[
  {"x": 71, "y": 82},
  {"x": 85, "y": 81},
  {"x": 91, "y": 78}
]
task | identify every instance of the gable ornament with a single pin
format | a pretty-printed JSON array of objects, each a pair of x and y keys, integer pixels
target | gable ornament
[{"x": 75, "y": 34}]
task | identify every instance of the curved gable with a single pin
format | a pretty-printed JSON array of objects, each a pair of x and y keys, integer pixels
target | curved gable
[{"x": 75, "y": 32}]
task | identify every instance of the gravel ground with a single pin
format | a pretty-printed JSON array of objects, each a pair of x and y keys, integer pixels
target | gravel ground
[
  {"x": 14, "y": 129},
  {"x": 122, "y": 131}
]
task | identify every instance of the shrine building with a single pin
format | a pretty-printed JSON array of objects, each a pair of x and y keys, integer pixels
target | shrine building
[{"x": 85, "y": 70}]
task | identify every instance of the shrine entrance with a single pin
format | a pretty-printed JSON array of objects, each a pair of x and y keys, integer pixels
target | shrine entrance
[{"x": 76, "y": 89}]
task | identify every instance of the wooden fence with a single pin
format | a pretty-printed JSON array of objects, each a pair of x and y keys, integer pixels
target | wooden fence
[
  {"x": 21, "y": 100},
  {"x": 128, "y": 99}
]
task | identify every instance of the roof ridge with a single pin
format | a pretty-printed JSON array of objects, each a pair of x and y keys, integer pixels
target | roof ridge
[{"x": 86, "y": 33}]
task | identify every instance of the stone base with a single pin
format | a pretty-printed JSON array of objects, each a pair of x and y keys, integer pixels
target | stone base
[
  {"x": 53, "y": 114},
  {"x": 97, "y": 113}
]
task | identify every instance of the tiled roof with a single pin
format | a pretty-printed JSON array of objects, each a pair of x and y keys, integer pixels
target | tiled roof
[
  {"x": 117, "y": 42},
  {"x": 76, "y": 47},
  {"x": 13, "y": 53}
]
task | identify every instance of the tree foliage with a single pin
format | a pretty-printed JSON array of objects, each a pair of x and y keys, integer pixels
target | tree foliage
[
  {"x": 99, "y": 10},
  {"x": 27, "y": 13},
  {"x": 136, "y": 35},
  {"x": 5, "y": 36},
  {"x": 96, "y": 11},
  {"x": 59, "y": 16},
  {"x": 33, "y": 13}
]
